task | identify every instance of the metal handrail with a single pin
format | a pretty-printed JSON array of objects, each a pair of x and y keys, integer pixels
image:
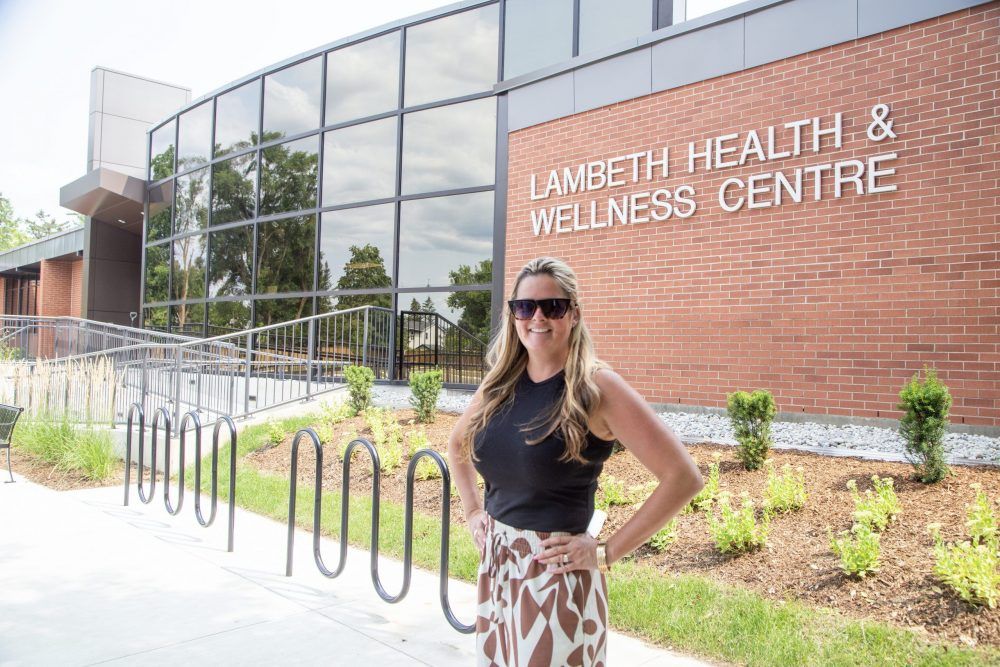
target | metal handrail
[{"x": 344, "y": 511}]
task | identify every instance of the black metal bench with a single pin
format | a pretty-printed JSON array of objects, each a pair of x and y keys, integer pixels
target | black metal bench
[{"x": 9, "y": 415}]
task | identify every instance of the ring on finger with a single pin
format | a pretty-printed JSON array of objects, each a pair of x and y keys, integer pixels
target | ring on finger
[{"x": 565, "y": 559}]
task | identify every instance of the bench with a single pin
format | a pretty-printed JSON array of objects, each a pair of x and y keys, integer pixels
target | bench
[{"x": 9, "y": 415}]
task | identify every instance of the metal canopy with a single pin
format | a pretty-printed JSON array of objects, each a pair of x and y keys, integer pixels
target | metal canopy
[{"x": 107, "y": 195}]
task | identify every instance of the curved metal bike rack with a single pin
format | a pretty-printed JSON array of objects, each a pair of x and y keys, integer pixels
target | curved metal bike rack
[
  {"x": 345, "y": 508},
  {"x": 136, "y": 409}
]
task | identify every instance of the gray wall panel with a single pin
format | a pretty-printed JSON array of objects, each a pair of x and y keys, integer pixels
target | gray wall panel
[
  {"x": 697, "y": 56},
  {"x": 620, "y": 78},
  {"x": 540, "y": 102},
  {"x": 797, "y": 27},
  {"x": 878, "y": 15}
]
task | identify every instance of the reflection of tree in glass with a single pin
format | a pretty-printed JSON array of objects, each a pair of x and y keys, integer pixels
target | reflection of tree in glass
[
  {"x": 161, "y": 200},
  {"x": 428, "y": 306},
  {"x": 414, "y": 305},
  {"x": 475, "y": 306},
  {"x": 233, "y": 185},
  {"x": 228, "y": 317},
  {"x": 162, "y": 165},
  {"x": 364, "y": 270},
  {"x": 189, "y": 274},
  {"x": 157, "y": 274},
  {"x": 285, "y": 255},
  {"x": 288, "y": 177},
  {"x": 274, "y": 311},
  {"x": 230, "y": 266},
  {"x": 156, "y": 318}
]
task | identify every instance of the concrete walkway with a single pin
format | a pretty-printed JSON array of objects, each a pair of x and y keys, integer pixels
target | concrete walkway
[{"x": 84, "y": 580}]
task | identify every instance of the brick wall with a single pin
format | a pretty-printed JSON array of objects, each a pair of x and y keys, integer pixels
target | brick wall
[
  {"x": 830, "y": 304},
  {"x": 56, "y": 297},
  {"x": 76, "y": 289},
  {"x": 3, "y": 295}
]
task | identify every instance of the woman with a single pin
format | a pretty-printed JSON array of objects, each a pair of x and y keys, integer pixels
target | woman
[{"x": 538, "y": 430}]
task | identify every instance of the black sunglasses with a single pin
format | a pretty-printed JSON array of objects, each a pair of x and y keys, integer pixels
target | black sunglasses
[{"x": 554, "y": 309}]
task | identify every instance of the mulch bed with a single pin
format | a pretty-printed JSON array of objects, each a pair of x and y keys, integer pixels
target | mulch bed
[{"x": 796, "y": 564}]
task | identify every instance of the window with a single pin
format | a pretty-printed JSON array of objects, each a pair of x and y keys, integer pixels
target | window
[
  {"x": 237, "y": 116},
  {"x": 231, "y": 262},
  {"x": 291, "y": 100},
  {"x": 161, "y": 206},
  {"x": 440, "y": 236},
  {"x": 450, "y": 147},
  {"x": 157, "y": 273},
  {"x": 359, "y": 162},
  {"x": 187, "y": 272},
  {"x": 234, "y": 189},
  {"x": 275, "y": 311},
  {"x": 191, "y": 202},
  {"x": 194, "y": 137},
  {"x": 468, "y": 64},
  {"x": 362, "y": 79},
  {"x": 161, "y": 151},
  {"x": 605, "y": 23},
  {"x": 226, "y": 317},
  {"x": 536, "y": 34},
  {"x": 285, "y": 254},
  {"x": 356, "y": 249},
  {"x": 288, "y": 176}
]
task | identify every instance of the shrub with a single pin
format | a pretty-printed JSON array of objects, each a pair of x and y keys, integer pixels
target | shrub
[
  {"x": 787, "y": 492},
  {"x": 8, "y": 353},
  {"x": 664, "y": 537},
  {"x": 703, "y": 501},
  {"x": 324, "y": 432},
  {"x": 925, "y": 407},
  {"x": 858, "y": 549},
  {"x": 426, "y": 388},
  {"x": 387, "y": 436},
  {"x": 275, "y": 433},
  {"x": 982, "y": 522},
  {"x": 46, "y": 438},
  {"x": 611, "y": 491},
  {"x": 359, "y": 386},
  {"x": 876, "y": 508},
  {"x": 751, "y": 416},
  {"x": 418, "y": 441},
  {"x": 737, "y": 531},
  {"x": 333, "y": 414},
  {"x": 640, "y": 493},
  {"x": 91, "y": 454},
  {"x": 348, "y": 439},
  {"x": 426, "y": 469}
]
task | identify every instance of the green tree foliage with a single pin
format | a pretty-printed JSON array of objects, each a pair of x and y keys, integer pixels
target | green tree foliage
[
  {"x": 475, "y": 306},
  {"x": 428, "y": 306},
  {"x": 414, "y": 305},
  {"x": 751, "y": 416},
  {"x": 925, "y": 407},
  {"x": 16, "y": 231}
]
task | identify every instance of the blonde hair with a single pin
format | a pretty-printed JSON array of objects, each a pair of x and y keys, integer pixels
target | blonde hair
[{"x": 507, "y": 359}]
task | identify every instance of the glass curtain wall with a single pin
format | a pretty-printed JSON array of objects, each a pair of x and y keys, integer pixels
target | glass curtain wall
[{"x": 363, "y": 175}]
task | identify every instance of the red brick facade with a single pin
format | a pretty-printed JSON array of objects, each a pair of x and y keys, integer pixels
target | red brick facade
[
  {"x": 59, "y": 288},
  {"x": 830, "y": 304}
]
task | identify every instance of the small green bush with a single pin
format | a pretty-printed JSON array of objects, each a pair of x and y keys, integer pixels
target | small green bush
[
  {"x": 348, "y": 439},
  {"x": 426, "y": 389},
  {"x": 751, "y": 416},
  {"x": 426, "y": 469},
  {"x": 360, "y": 380},
  {"x": 876, "y": 508},
  {"x": 664, "y": 537},
  {"x": 703, "y": 501},
  {"x": 8, "y": 353},
  {"x": 333, "y": 414},
  {"x": 737, "y": 531},
  {"x": 418, "y": 441},
  {"x": 275, "y": 432},
  {"x": 858, "y": 549},
  {"x": 611, "y": 491},
  {"x": 925, "y": 407},
  {"x": 387, "y": 436},
  {"x": 48, "y": 439},
  {"x": 971, "y": 568},
  {"x": 787, "y": 492},
  {"x": 68, "y": 448}
]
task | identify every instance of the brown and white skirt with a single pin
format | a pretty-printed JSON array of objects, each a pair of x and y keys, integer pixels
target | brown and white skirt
[{"x": 529, "y": 617}]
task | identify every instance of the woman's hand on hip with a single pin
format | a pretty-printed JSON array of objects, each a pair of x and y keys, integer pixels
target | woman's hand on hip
[{"x": 566, "y": 553}]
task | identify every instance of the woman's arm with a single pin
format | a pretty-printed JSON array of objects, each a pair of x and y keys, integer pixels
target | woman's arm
[
  {"x": 464, "y": 474},
  {"x": 632, "y": 422}
]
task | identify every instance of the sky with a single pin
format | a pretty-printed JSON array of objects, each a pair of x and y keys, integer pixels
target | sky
[{"x": 49, "y": 47}]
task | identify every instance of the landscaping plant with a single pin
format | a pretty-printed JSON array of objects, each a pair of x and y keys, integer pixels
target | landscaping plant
[
  {"x": 611, "y": 491},
  {"x": 751, "y": 416},
  {"x": 664, "y": 537},
  {"x": 858, "y": 549},
  {"x": 426, "y": 389},
  {"x": 360, "y": 380},
  {"x": 925, "y": 407},
  {"x": 418, "y": 441},
  {"x": 971, "y": 568},
  {"x": 878, "y": 508},
  {"x": 737, "y": 530},
  {"x": 787, "y": 492},
  {"x": 703, "y": 501}
]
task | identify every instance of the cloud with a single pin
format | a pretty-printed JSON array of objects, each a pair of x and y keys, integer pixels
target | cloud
[
  {"x": 359, "y": 162},
  {"x": 363, "y": 79},
  {"x": 291, "y": 98}
]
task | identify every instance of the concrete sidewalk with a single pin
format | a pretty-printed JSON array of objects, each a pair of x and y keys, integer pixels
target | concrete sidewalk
[{"x": 85, "y": 580}]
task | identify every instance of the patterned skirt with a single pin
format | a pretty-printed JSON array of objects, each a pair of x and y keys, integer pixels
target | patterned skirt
[{"x": 528, "y": 617}]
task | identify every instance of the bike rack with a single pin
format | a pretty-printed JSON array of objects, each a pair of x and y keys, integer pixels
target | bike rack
[
  {"x": 135, "y": 409},
  {"x": 345, "y": 508}
]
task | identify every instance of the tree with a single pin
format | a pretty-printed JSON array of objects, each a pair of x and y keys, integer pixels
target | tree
[
  {"x": 44, "y": 224},
  {"x": 11, "y": 234},
  {"x": 475, "y": 306},
  {"x": 16, "y": 231},
  {"x": 414, "y": 305},
  {"x": 428, "y": 306}
]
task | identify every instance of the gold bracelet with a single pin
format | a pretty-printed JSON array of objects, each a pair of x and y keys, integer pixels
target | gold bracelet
[{"x": 602, "y": 557}]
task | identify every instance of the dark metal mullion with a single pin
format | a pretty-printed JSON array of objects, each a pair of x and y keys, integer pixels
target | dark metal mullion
[
  {"x": 397, "y": 207},
  {"x": 145, "y": 236},
  {"x": 256, "y": 206},
  {"x": 211, "y": 206},
  {"x": 499, "y": 213},
  {"x": 576, "y": 28},
  {"x": 502, "y": 18},
  {"x": 656, "y": 14},
  {"x": 320, "y": 169}
]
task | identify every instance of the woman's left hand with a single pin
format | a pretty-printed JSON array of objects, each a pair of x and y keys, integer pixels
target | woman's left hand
[{"x": 569, "y": 552}]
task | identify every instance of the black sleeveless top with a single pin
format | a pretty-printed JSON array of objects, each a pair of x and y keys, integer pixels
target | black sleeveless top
[{"x": 527, "y": 486}]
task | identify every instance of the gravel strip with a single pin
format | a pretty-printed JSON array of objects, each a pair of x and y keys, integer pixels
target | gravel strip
[{"x": 839, "y": 440}]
